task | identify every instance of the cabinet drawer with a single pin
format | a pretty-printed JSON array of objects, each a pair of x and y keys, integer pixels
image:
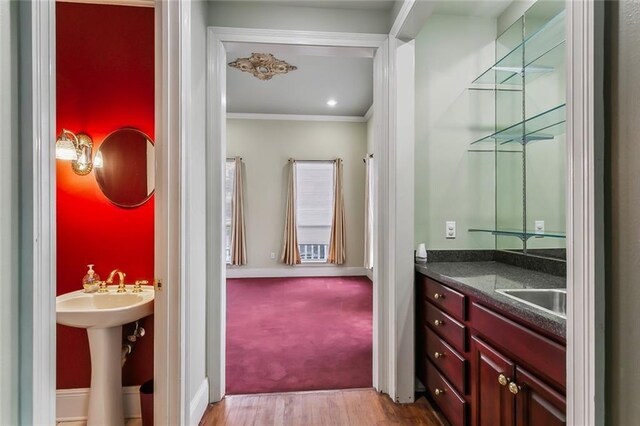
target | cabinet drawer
[
  {"x": 445, "y": 326},
  {"x": 448, "y": 361},
  {"x": 538, "y": 352},
  {"x": 445, "y": 298},
  {"x": 450, "y": 402}
]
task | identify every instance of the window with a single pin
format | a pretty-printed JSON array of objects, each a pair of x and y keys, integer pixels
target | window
[
  {"x": 230, "y": 174},
  {"x": 314, "y": 209}
]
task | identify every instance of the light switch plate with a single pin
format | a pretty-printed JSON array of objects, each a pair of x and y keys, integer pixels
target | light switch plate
[
  {"x": 539, "y": 226},
  {"x": 450, "y": 230}
]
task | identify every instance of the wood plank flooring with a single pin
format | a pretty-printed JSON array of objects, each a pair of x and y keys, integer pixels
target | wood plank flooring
[{"x": 343, "y": 407}]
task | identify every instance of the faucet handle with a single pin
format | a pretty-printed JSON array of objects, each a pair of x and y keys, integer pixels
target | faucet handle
[
  {"x": 102, "y": 287},
  {"x": 137, "y": 287}
]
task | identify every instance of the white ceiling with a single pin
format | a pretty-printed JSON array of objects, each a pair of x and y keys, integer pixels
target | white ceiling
[
  {"x": 323, "y": 73},
  {"x": 386, "y": 5},
  {"x": 485, "y": 8}
]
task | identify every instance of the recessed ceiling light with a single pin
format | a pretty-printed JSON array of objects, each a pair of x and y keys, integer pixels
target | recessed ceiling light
[{"x": 332, "y": 102}]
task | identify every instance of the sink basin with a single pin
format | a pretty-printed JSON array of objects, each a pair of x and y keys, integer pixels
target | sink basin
[
  {"x": 551, "y": 300},
  {"x": 103, "y": 315},
  {"x": 103, "y": 310}
]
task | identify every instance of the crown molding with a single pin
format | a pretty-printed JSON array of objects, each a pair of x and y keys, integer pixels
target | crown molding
[
  {"x": 295, "y": 117},
  {"x": 134, "y": 3}
]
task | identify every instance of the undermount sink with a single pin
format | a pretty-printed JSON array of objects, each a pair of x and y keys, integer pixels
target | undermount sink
[
  {"x": 103, "y": 315},
  {"x": 551, "y": 300},
  {"x": 103, "y": 310}
]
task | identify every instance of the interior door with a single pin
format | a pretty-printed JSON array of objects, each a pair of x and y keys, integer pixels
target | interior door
[{"x": 493, "y": 403}]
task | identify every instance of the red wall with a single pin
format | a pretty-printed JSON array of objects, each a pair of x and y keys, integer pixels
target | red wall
[{"x": 105, "y": 81}]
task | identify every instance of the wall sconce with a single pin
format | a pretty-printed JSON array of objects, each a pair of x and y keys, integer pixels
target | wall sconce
[{"x": 77, "y": 148}]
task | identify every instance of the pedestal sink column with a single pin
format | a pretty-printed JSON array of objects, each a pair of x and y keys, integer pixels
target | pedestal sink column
[{"x": 105, "y": 396}]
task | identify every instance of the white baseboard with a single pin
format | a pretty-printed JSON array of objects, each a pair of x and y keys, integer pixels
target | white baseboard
[
  {"x": 72, "y": 404},
  {"x": 199, "y": 403},
  {"x": 369, "y": 273},
  {"x": 296, "y": 271}
]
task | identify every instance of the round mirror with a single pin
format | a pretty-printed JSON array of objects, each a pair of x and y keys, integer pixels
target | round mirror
[{"x": 125, "y": 167}]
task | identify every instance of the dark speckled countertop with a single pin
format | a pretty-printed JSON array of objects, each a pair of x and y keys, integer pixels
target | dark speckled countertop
[{"x": 482, "y": 279}]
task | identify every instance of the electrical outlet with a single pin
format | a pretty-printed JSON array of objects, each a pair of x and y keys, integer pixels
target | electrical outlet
[
  {"x": 539, "y": 226},
  {"x": 273, "y": 255},
  {"x": 450, "y": 230}
]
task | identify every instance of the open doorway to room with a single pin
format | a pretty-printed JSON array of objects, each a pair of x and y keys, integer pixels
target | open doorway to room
[
  {"x": 298, "y": 218},
  {"x": 105, "y": 180}
]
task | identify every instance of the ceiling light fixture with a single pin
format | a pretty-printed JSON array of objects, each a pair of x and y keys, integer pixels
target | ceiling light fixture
[
  {"x": 332, "y": 102},
  {"x": 263, "y": 66}
]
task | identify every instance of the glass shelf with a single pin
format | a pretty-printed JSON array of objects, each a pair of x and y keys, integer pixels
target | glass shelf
[
  {"x": 540, "y": 53},
  {"x": 523, "y": 235},
  {"x": 544, "y": 126}
]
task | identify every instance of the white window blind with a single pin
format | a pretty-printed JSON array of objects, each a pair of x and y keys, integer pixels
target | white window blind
[
  {"x": 314, "y": 208},
  {"x": 230, "y": 174}
]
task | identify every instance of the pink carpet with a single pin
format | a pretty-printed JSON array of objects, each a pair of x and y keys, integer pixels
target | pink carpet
[{"x": 294, "y": 334}]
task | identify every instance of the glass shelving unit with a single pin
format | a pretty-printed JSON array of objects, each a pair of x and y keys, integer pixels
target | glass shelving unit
[
  {"x": 528, "y": 117},
  {"x": 523, "y": 235}
]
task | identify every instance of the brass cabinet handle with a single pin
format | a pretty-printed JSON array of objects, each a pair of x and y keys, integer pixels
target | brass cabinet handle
[
  {"x": 438, "y": 323},
  {"x": 502, "y": 379},
  {"x": 438, "y": 296},
  {"x": 438, "y": 354},
  {"x": 438, "y": 392},
  {"x": 513, "y": 388}
]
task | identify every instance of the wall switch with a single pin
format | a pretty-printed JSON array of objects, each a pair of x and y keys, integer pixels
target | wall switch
[
  {"x": 450, "y": 230},
  {"x": 539, "y": 226},
  {"x": 273, "y": 255}
]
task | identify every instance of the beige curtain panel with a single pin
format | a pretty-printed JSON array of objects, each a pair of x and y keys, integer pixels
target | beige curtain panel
[
  {"x": 290, "y": 249},
  {"x": 368, "y": 213},
  {"x": 238, "y": 242},
  {"x": 337, "y": 246}
]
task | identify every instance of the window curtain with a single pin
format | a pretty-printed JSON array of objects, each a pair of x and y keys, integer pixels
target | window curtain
[
  {"x": 238, "y": 243},
  {"x": 368, "y": 213},
  {"x": 290, "y": 249},
  {"x": 337, "y": 246}
]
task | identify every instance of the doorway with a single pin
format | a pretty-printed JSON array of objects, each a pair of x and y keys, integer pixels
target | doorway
[
  {"x": 219, "y": 40},
  {"x": 298, "y": 154}
]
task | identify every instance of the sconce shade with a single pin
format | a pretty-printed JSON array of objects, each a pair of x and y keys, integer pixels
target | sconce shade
[{"x": 65, "y": 147}]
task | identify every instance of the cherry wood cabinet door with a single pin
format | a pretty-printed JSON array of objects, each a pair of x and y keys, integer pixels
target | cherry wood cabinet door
[
  {"x": 493, "y": 403},
  {"x": 537, "y": 403}
]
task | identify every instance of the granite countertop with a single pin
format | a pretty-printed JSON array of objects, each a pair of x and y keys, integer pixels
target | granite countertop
[{"x": 481, "y": 279}]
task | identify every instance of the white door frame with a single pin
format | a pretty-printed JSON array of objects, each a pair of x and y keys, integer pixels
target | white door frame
[
  {"x": 385, "y": 321},
  {"x": 585, "y": 200},
  {"x": 38, "y": 218}
]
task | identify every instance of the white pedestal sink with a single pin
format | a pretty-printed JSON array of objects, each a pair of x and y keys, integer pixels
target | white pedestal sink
[{"x": 103, "y": 315}]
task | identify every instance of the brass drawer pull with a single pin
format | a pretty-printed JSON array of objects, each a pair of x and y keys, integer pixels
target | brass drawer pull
[
  {"x": 513, "y": 388},
  {"x": 439, "y": 354},
  {"x": 502, "y": 379},
  {"x": 438, "y": 392},
  {"x": 438, "y": 296},
  {"x": 438, "y": 323}
]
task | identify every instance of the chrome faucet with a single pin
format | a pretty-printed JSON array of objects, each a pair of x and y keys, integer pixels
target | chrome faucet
[{"x": 121, "y": 285}]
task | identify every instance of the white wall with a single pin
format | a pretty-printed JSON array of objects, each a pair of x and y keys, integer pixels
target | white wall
[
  {"x": 254, "y": 14},
  {"x": 8, "y": 216},
  {"x": 196, "y": 278},
  {"x": 450, "y": 182},
  {"x": 265, "y": 146}
]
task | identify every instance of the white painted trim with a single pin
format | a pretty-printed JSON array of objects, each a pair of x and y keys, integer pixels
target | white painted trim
[
  {"x": 199, "y": 403},
  {"x": 135, "y": 3},
  {"x": 384, "y": 312},
  {"x": 297, "y": 271},
  {"x": 170, "y": 405},
  {"x": 585, "y": 213},
  {"x": 369, "y": 113},
  {"x": 72, "y": 404},
  {"x": 295, "y": 117},
  {"x": 38, "y": 213}
]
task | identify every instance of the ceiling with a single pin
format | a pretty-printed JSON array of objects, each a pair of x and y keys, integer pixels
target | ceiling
[
  {"x": 323, "y": 73},
  {"x": 484, "y": 8},
  {"x": 385, "y": 5}
]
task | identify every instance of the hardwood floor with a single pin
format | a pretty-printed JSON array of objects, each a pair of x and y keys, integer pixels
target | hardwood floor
[{"x": 344, "y": 407}]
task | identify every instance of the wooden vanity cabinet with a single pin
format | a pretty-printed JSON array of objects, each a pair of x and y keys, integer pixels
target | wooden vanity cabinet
[{"x": 482, "y": 368}]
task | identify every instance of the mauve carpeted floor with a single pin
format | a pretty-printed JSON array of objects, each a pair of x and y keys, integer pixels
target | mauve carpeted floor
[{"x": 293, "y": 334}]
